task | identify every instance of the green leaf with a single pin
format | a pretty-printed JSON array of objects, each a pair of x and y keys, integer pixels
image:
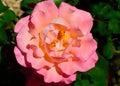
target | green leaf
[
  {"x": 57, "y": 2},
  {"x": 118, "y": 2},
  {"x": 102, "y": 28},
  {"x": 28, "y": 4},
  {"x": 78, "y": 77},
  {"x": 3, "y": 35},
  {"x": 82, "y": 79},
  {"x": 99, "y": 73},
  {"x": 2, "y": 7},
  {"x": 114, "y": 14},
  {"x": 118, "y": 62},
  {"x": 73, "y": 2},
  {"x": 108, "y": 50},
  {"x": 114, "y": 26},
  {"x": 100, "y": 83},
  {"x": 1, "y": 23},
  {"x": 8, "y": 16},
  {"x": 101, "y": 9},
  {"x": 83, "y": 82},
  {"x": 0, "y": 54}
]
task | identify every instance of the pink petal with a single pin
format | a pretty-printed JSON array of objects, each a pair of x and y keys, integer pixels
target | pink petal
[
  {"x": 70, "y": 79},
  {"x": 65, "y": 11},
  {"x": 39, "y": 52},
  {"x": 76, "y": 18},
  {"x": 88, "y": 47},
  {"x": 43, "y": 13},
  {"x": 22, "y": 23},
  {"x": 37, "y": 63},
  {"x": 23, "y": 39},
  {"x": 90, "y": 63},
  {"x": 52, "y": 76},
  {"x": 19, "y": 57},
  {"x": 69, "y": 67},
  {"x": 82, "y": 20},
  {"x": 60, "y": 21},
  {"x": 42, "y": 71},
  {"x": 72, "y": 66}
]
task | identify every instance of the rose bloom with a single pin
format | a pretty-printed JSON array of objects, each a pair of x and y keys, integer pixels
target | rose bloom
[{"x": 56, "y": 42}]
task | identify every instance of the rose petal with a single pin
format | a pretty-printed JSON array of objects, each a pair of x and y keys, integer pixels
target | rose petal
[
  {"x": 88, "y": 46},
  {"x": 76, "y": 18},
  {"x": 39, "y": 52},
  {"x": 60, "y": 21},
  {"x": 19, "y": 57},
  {"x": 69, "y": 67},
  {"x": 88, "y": 64},
  {"x": 82, "y": 20},
  {"x": 43, "y": 14},
  {"x": 70, "y": 79},
  {"x": 37, "y": 63},
  {"x": 23, "y": 39},
  {"x": 51, "y": 36},
  {"x": 52, "y": 76},
  {"x": 22, "y": 24},
  {"x": 67, "y": 80},
  {"x": 65, "y": 11},
  {"x": 42, "y": 71}
]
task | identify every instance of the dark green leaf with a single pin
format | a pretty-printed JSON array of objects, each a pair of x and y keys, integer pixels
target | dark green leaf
[
  {"x": 3, "y": 35},
  {"x": 102, "y": 28},
  {"x": 78, "y": 76},
  {"x": 73, "y": 2},
  {"x": 118, "y": 62},
  {"x": 29, "y": 4},
  {"x": 82, "y": 79},
  {"x": 2, "y": 7},
  {"x": 108, "y": 50},
  {"x": 118, "y": 2},
  {"x": 101, "y": 9},
  {"x": 113, "y": 14},
  {"x": 1, "y": 23},
  {"x": 114, "y": 26},
  {"x": 99, "y": 83},
  {"x": 83, "y": 82},
  {"x": 8, "y": 16},
  {"x": 57, "y": 2}
]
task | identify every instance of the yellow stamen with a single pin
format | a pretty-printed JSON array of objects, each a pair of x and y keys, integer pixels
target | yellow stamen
[
  {"x": 61, "y": 34},
  {"x": 53, "y": 44}
]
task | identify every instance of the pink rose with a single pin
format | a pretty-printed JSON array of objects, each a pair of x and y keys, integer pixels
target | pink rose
[{"x": 56, "y": 42}]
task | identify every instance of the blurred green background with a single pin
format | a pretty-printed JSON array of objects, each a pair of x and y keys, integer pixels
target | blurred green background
[{"x": 106, "y": 31}]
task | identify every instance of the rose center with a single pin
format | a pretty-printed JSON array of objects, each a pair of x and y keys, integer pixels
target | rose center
[{"x": 59, "y": 39}]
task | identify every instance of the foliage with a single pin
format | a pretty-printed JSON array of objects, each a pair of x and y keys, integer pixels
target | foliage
[{"x": 106, "y": 31}]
